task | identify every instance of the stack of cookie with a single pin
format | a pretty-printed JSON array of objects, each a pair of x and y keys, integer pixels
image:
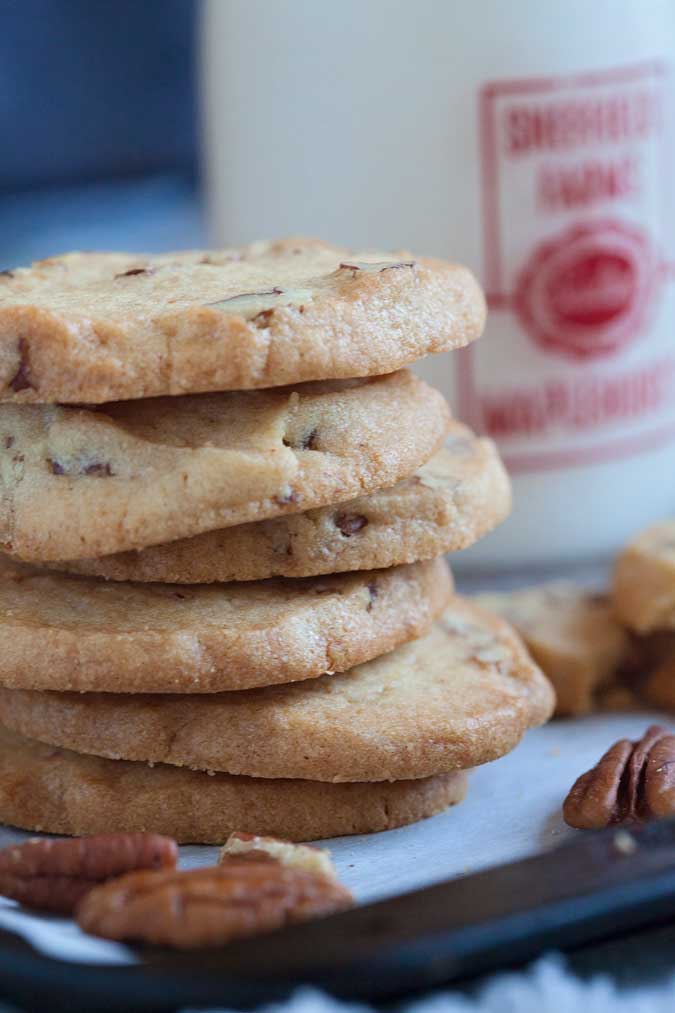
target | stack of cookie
[{"x": 234, "y": 501}]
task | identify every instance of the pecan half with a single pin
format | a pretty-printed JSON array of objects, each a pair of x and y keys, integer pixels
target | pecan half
[
  {"x": 208, "y": 907},
  {"x": 632, "y": 783},
  {"x": 54, "y": 875}
]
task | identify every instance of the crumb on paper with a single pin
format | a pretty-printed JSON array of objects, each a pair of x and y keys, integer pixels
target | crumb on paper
[
  {"x": 624, "y": 843},
  {"x": 298, "y": 856}
]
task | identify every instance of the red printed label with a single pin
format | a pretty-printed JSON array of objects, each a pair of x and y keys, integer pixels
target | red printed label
[{"x": 578, "y": 362}]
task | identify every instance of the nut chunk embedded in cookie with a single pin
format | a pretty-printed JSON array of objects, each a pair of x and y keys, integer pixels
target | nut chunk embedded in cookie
[
  {"x": 632, "y": 783},
  {"x": 54, "y": 875},
  {"x": 293, "y": 856},
  {"x": 208, "y": 907}
]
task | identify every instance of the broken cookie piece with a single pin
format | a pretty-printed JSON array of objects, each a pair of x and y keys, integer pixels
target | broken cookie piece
[{"x": 572, "y": 633}]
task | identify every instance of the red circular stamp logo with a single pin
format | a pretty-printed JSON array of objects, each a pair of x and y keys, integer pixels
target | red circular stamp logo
[{"x": 586, "y": 292}]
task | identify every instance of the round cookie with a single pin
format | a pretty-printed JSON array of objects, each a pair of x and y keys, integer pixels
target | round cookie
[
  {"x": 462, "y": 695},
  {"x": 94, "y": 327},
  {"x": 449, "y": 503},
  {"x": 644, "y": 580},
  {"x": 74, "y": 633},
  {"x": 78, "y": 483},
  {"x": 55, "y": 791}
]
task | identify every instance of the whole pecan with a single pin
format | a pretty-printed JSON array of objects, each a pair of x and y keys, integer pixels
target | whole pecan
[
  {"x": 54, "y": 875},
  {"x": 208, "y": 907},
  {"x": 632, "y": 783}
]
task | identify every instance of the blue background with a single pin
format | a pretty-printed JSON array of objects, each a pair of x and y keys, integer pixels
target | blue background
[{"x": 98, "y": 109}]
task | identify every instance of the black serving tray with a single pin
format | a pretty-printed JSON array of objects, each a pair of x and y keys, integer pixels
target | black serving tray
[{"x": 597, "y": 886}]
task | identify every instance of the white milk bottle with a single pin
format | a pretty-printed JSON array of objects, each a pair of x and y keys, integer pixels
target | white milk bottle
[{"x": 530, "y": 140}]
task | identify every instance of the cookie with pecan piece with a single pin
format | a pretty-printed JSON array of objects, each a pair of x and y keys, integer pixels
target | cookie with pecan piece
[
  {"x": 449, "y": 503},
  {"x": 94, "y": 327},
  {"x": 80, "y": 482},
  {"x": 57, "y": 791},
  {"x": 462, "y": 695},
  {"x": 77, "y": 633}
]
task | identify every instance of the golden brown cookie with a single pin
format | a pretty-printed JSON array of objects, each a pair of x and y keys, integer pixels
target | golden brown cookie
[
  {"x": 77, "y": 633},
  {"x": 460, "y": 696},
  {"x": 571, "y": 633},
  {"x": 55, "y": 791},
  {"x": 78, "y": 483},
  {"x": 449, "y": 503},
  {"x": 644, "y": 580},
  {"x": 93, "y": 327}
]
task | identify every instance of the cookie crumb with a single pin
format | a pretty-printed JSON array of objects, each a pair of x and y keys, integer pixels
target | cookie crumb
[
  {"x": 624, "y": 843},
  {"x": 295, "y": 856}
]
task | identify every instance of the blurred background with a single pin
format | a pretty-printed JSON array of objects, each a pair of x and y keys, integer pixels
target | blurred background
[
  {"x": 531, "y": 141},
  {"x": 98, "y": 109}
]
